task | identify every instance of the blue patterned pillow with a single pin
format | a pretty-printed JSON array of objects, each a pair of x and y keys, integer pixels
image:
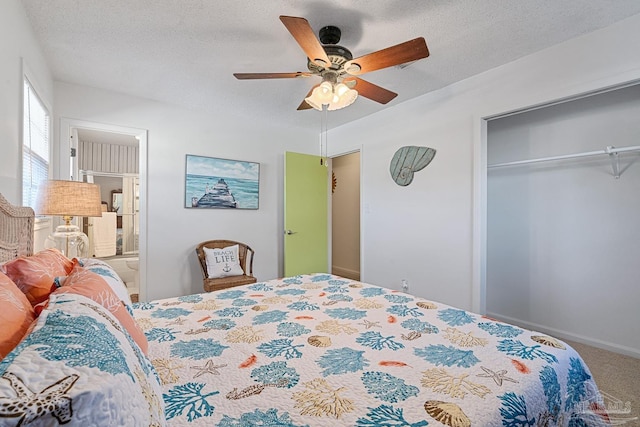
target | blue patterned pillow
[{"x": 79, "y": 358}]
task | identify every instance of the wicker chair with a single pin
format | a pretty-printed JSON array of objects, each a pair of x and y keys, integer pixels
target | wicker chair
[
  {"x": 16, "y": 230},
  {"x": 245, "y": 255}
]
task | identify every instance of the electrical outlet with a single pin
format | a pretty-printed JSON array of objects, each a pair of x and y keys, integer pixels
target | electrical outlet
[{"x": 405, "y": 285}]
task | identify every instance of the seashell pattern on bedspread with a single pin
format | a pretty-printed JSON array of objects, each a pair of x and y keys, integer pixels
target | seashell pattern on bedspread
[{"x": 321, "y": 350}]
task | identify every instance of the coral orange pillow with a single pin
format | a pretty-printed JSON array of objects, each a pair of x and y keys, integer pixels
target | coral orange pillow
[
  {"x": 89, "y": 284},
  {"x": 34, "y": 275},
  {"x": 16, "y": 314}
]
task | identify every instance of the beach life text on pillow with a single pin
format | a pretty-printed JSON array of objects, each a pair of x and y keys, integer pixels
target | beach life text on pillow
[{"x": 223, "y": 262}]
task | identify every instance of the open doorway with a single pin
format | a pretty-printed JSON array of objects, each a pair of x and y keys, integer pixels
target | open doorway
[
  {"x": 114, "y": 158},
  {"x": 345, "y": 216}
]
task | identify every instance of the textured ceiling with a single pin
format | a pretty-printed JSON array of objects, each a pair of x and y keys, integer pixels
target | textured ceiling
[{"x": 184, "y": 52}]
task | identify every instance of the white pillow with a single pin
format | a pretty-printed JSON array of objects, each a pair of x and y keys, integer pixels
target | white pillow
[{"x": 223, "y": 262}]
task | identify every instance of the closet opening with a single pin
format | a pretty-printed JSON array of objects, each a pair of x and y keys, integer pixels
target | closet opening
[{"x": 562, "y": 240}]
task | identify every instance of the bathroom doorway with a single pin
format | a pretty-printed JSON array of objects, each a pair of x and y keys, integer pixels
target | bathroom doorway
[{"x": 114, "y": 158}]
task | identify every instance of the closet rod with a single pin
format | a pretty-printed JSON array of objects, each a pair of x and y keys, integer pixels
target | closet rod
[{"x": 609, "y": 150}]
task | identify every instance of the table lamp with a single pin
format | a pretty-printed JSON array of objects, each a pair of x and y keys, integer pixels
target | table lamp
[{"x": 69, "y": 199}]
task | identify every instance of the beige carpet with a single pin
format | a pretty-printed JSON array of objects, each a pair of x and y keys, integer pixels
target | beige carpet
[{"x": 618, "y": 378}]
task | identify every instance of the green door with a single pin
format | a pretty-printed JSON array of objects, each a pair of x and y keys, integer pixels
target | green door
[{"x": 305, "y": 215}]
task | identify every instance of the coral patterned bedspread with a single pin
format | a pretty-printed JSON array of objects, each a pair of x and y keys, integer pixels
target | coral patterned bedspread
[{"x": 321, "y": 350}]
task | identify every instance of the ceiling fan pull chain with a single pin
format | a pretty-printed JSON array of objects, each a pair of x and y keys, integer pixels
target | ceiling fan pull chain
[
  {"x": 323, "y": 131},
  {"x": 325, "y": 112},
  {"x": 320, "y": 136}
]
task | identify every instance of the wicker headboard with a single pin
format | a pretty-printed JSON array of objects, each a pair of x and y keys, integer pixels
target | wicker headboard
[{"x": 16, "y": 230}]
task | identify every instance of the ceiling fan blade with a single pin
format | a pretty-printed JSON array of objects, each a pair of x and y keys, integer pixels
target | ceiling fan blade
[
  {"x": 371, "y": 91},
  {"x": 394, "y": 55},
  {"x": 303, "y": 105},
  {"x": 247, "y": 76},
  {"x": 304, "y": 35}
]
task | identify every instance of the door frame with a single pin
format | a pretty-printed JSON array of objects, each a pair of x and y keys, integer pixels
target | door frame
[
  {"x": 351, "y": 150},
  {"x": 479, "y": 181},
  {"x": 67, "y": 127}
]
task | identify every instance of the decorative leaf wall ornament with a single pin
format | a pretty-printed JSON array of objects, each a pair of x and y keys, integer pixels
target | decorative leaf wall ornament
[{"x": 408, "y": 160}]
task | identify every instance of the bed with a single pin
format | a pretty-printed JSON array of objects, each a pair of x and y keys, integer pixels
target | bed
[{"x": 309, "y": 350}]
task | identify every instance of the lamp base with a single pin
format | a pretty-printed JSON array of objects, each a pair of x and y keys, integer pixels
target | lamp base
[{"x": 69, "y": 240}]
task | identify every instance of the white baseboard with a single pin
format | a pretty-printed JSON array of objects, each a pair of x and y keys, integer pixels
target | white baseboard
[
  {"x": 345, "y": 272},
  {"x": 558, "y": 333}
]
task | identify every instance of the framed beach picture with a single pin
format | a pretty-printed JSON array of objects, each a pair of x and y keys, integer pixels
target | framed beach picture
[{"x": 211, "y": 182}]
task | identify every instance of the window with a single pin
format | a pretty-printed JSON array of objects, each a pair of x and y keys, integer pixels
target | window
[{"x": 35, "y": 146}]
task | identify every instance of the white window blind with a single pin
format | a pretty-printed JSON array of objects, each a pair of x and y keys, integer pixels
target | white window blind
[{"x": 35, "y": 148}]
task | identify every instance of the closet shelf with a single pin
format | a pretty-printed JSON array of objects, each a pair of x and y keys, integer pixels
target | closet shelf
[{"x": 611, "y": 151}]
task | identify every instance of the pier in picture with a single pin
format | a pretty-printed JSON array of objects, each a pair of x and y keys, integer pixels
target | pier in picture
[{"x": 221, "y": 183}]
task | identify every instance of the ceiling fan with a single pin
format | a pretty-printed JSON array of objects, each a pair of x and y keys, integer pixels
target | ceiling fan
[{"x": 337, "y": 67}]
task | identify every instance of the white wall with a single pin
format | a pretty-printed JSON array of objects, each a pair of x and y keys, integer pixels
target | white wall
[
  {"x": 430, "y": 232},
  {"x": 563, "y": 237},
  {"x": 17, "y": 42},
  {"x": 172, "y": 230}
]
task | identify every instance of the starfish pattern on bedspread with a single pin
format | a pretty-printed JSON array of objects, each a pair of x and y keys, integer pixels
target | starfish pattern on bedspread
[
  {"x": 208, "y": 368},
  {"x": 369, "y": 324},
  {"x": 30, "y": 406},
  {"x": 497, "y": 376}
]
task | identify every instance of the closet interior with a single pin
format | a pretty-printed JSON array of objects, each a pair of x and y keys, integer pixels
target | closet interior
[{"x": 563, "y": 202}]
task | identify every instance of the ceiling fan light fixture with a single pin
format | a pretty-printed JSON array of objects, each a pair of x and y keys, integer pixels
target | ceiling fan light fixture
[
  {"x": 322, "y": 94},
  {"x": 335, "y": 96},
  {"x": 344, "y": 99},
  {"x": 325, "y": 89},
  {"x": 340, "y": 89}
]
